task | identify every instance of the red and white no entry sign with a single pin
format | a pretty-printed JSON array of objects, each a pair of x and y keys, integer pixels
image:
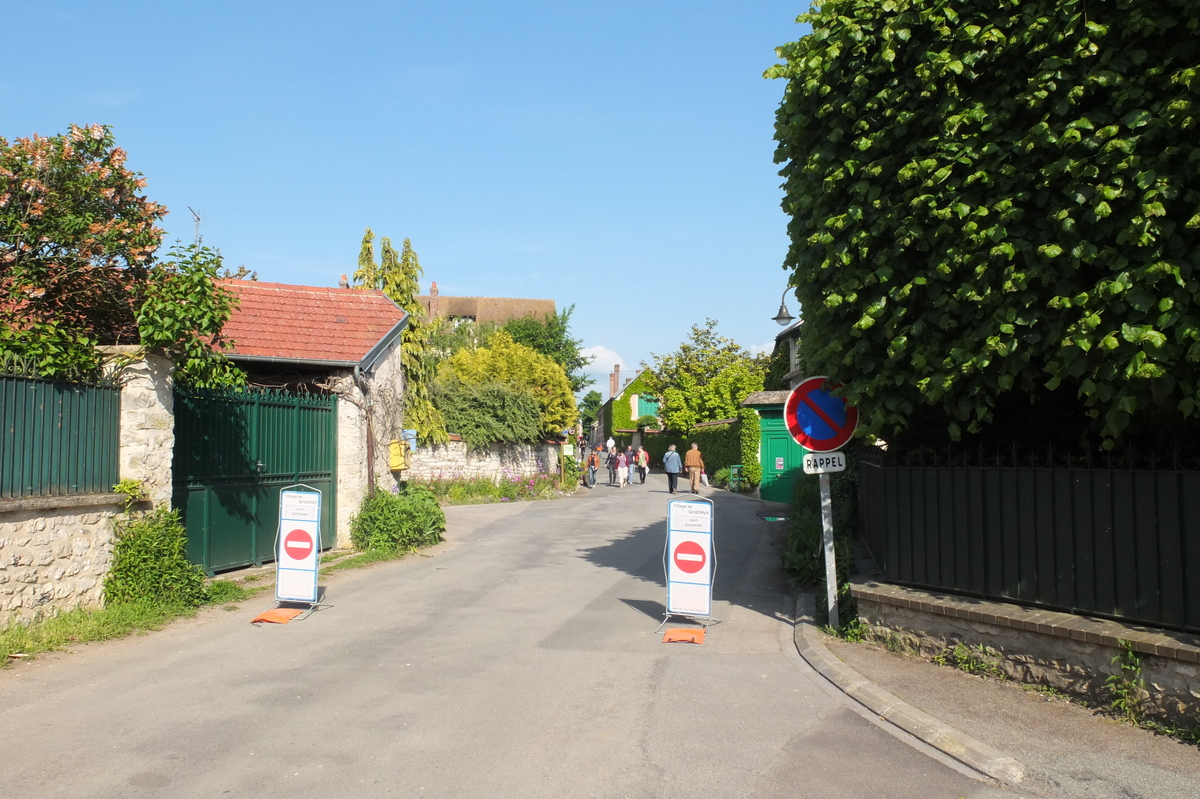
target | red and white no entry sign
[
  {"x": 298, "y": 544},
  {"x": 689, "y": 557}
]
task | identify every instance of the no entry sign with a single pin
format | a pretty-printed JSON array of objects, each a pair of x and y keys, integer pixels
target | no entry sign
[
  {"x": 819, "y": 421},
  {"x": 688, "y": 557},
  {"x": 298, "y": 551}
]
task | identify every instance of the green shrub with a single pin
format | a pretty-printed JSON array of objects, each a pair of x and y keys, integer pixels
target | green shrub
[
  {"x": 150, "y": 562},
  {"x": 749, "y": 435},
  {"x": 395, "y": 522}
]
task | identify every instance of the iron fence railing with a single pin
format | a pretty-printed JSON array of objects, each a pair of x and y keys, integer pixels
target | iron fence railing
[
  {"x": 57, "y": 439},
  {"x": 1100, "y": 535}
]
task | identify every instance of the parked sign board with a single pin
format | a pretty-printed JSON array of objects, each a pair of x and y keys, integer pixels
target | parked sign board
[
  {"x": 689, "y": 557},
  {"x": 299, "y": 545}
]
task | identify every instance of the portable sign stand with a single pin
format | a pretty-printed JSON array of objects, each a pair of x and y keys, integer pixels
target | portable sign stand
[
  {"x": 822, "y": 424},
  {"x": 689, "y": 560},
  {"x": 298, "y": 547}
]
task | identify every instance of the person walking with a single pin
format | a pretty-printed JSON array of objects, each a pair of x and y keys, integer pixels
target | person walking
[
  {"x": 611, "y": 462},
  {"x": 672, "y": 466},
  {"x": 593, "y": 465},
  {"x": 643, "y": 463},
  {"x": 631, "y": 460},
  {"x": 694, "y": 464},
  {"x": 622, "y": 469}
]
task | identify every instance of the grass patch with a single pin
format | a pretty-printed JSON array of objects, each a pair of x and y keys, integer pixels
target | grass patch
[
  {"x": 83, "y": 625},
  {"x": 221, "y": 592},
  {"x": 359, "y": 559}
]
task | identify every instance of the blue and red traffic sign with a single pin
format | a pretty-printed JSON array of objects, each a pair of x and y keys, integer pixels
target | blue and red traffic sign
[{"x": 819, "y": 421}]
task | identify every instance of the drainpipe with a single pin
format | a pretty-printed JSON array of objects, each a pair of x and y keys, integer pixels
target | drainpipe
[{"x": 368, "y": 409}]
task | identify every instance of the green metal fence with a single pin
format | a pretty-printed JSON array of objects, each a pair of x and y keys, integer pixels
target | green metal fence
[
  {"x": 1096, "y": 536},
  {"x": 58, "y": 439}
]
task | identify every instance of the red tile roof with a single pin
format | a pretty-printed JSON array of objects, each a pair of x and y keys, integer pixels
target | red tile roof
[{"x": 282, "y": 322}]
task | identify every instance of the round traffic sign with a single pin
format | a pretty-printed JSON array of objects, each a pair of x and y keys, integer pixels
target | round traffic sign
[
  {"x": 298, "y": 544},
  {"x": 819, "y": 421},
  {"x": 689, "y": 557}
]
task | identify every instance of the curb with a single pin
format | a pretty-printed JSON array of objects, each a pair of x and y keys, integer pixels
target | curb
[{"x": 958, "y": 745}]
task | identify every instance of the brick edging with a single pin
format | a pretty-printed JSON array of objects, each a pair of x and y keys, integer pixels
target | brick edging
[{"x": 1178, "y": 646}]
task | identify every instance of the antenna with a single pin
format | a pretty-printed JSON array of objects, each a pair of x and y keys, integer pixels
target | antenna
[{"x": 196, "y": 216}]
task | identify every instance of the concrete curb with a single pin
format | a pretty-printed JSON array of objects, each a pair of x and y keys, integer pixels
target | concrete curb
[{"x": 958, "y": 745}]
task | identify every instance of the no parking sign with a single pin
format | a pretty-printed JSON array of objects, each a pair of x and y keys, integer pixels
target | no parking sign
[{"x": 299, "y": 545}]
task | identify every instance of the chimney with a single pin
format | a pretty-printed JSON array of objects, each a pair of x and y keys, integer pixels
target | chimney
[
  {"x": 343, "y": 283},
  {"x": 433, "y": 301},
  {"x": 614, "y": 380}
]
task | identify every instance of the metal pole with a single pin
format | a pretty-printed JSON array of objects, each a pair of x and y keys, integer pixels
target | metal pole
[{"x": 831, "y": 584}]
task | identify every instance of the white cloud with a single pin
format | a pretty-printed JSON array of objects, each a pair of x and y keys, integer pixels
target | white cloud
[
  {"x": 758, "y": 349},
  {"x": 603, "y": 361}
]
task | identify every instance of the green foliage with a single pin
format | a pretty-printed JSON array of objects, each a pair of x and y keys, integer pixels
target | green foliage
[
  {"x": 778, "y": 365},
  {"x": 447, "y": 336},
  {"x": 182, "y": 312},
  {"x": 976, "y": 659},
  {"x": 646, "y": 422},
  {"x": 1127, "y": 687},
  {"x": 706, "y": 379},
  {"x": 77, "y": 268},
  {"x": 508, "y": 363},
  {"x": 509, "y": 486},
  {"x": 572, "y": 473},
  {"x": 81, "y": 625},
  {"x": 589, "y": 408},
  {"x": 150, "y": 562},
  {"x": 398, "y": 277},
  {"x": 221, "y": 592},
  {"x": 487, "y": 414},
  {"x": 750, "y": 437},
  {"x": 132, "y": 491},
  {"x": 994, "y": 213},
  {"x": 551, "y": 336},
  {"x": 719, "y": 445},
  {"x": 803, "y": 550},
  {"x": 398, "y": 522},
  {"x": 621, "y": 410}
]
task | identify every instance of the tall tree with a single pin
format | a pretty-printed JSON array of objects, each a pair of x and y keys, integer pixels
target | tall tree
[
  {"x": 398, "y": 276},
  {"x": 551, "y": 336},
  {"x": 78, "y": 267},
  {"x": 506, "y": 362},
  {"x": 994, "y": 214},
  {"x": 705, "y": 379},
  {"x": 589, "y": 408}
]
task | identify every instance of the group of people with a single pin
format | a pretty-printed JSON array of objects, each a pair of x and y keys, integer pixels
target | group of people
[{"x": 623, "y": 465}]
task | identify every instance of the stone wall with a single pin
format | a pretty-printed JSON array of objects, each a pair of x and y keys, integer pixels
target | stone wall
[
  {"x": 55, "y": 551},
  {"x": 454, "y": 460},
  {"x": 1073, "y": 654}
]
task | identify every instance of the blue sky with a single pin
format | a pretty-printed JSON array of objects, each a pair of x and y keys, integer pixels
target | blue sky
[{"x": 616, "y": 156}]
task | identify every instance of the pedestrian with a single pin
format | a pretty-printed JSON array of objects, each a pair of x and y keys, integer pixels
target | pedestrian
[
  {"x": 694, "y": 464},
  {"x": 611, "y": 462},
  {"x": 672, "y": 466},
  {"x": 622, "y": 469},
  {"x": 593, "y": 464},
  {"x": 631, "y": 459},
  {"x": 608, "y": 445},
  {"x": 643, "y": 463}
]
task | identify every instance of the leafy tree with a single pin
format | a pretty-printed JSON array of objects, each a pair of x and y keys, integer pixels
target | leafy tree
[
  {"x": 448, "y": 335},
  {"x": 77, "y": 266},
  {"x": 994, "y": 213},
  {"x": 589, "y": 408},
  {"x": 506, "y": 362},
  {"x": 487, "y": 414},
  {"x": 705, "y": 379},
  {"x": 551, "y": 336},
  {"x": 398, "y": 277}
]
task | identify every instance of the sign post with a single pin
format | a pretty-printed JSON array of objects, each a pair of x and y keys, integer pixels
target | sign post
[
  {"x": 689, "y": 559},
  {"x": 298, "y": 545},
  {"x": 822, "y": 424}
]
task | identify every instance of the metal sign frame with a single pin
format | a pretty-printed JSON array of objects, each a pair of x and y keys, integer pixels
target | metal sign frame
[
  {"x": 689, "y": 593},
  {"x": 297, "y": 583}
]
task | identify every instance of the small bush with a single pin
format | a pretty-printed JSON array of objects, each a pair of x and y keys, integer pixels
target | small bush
[
  {"x": 150, "y": 563},
  {"x": 395, "y": 522}
]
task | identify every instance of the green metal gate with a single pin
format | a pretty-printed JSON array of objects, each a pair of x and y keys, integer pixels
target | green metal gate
[
  {"x": 781, "y": 457},
  {"x": 233, "y": 452}
]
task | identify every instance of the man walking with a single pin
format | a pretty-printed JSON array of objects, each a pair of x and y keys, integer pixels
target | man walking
[
  {"x": 593, "y": 464},
  {"x": 695, "y": 465},
  {"x": 672, "y": 466}
]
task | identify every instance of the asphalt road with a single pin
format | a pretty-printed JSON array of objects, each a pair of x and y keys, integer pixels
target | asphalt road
[{"x": 518, "y": 659}]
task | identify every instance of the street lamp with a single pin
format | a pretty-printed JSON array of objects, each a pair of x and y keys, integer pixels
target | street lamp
[{"x": 783, "y": 317}]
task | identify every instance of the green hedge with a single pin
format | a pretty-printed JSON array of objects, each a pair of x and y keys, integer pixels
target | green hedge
[
  {"x": 397, "y": 522},
  {"x": 720, "y": 445}
]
